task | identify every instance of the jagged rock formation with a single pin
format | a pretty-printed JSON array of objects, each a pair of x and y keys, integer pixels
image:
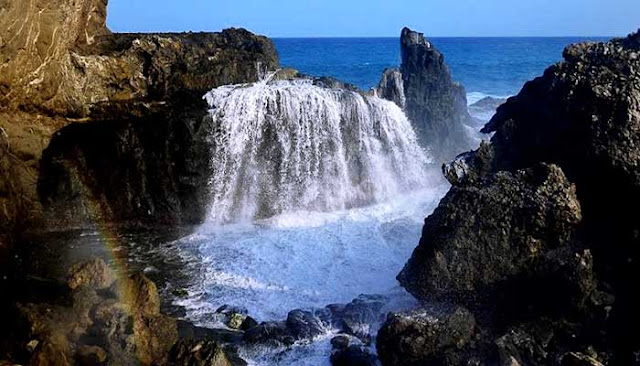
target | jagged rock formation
[
  {"x": 61, "y": 65},
  {"x": 527, "y": 219},
  {"x": 545, "y": 256},
  {"x": 436, "y": 106}
]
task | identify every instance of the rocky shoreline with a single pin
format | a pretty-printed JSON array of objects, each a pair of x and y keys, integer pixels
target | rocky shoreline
[
  {"x": 533, "y": 251},
  {"x": 530, "y": 259}
]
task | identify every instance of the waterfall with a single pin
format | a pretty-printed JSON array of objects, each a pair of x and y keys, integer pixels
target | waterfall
[{"x": 286, "y": 146}]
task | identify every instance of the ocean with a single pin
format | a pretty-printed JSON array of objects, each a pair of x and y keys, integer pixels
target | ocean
[{"x": 485, "y": 66}]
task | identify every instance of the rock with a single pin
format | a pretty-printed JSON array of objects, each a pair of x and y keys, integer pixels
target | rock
[
  {"x": 269, "y": 333},
  {"x": 67, "y": 70},
  {"x": 583, "y": 114},
  {"x": 353, "y": 356},
  {"x": 537, "y": 234},
  {"x": 140, "y": 294},
  {"x": 488, "y": 103},
  {"x": 436, "y": 106},
  {"x": 305, "y": 324},
  {"x": 248, "y": 323},
  {"x": 203, "y": 353},
  {"x": 471, "y": 166},
  {"x": 483, "y": 236},
  {"x": 91, "y": 355},
  {"x": 340, "y": 342},
  {"x": 32, "y": 345},
  {"x": 579, "y": 359},
  {"x": 73, "y": 69},
  {"x": 236, "y": 320},
  {"x": 425, "y": 337},
  {"x": 232, "y": 317},
  {"x": 391, "y": 87},
  {"x": 518, "y": 347},
  {"x": 154, "y": 337},
  {"x": 94, "y": 273},
  {"x": 362, "y": 314},
  {"x": 228, "y": 309}
]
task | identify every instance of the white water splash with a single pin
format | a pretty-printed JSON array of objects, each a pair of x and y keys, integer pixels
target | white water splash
[{"x": 285, "y": 146}]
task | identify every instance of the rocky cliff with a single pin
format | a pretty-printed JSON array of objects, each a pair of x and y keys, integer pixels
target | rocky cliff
[
  {"x": 544, "y": 256},
  {"x": 118, "y": 93},
  {"x": 435, "y": 104}
]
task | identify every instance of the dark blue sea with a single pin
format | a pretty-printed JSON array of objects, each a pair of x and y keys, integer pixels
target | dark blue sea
[{"x": 485, "y": 66}]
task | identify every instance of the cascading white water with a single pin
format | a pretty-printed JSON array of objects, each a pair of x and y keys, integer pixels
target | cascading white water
[{"x": 286, "y": 146}]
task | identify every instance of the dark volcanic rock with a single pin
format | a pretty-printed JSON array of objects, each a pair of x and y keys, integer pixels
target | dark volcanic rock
[
  {"x": 152, "y": 169},
  {"x": 353, "y": 356},
  {"x": 583, "y": 114},
  {"x": 426, "y": 337},
  {"x": 483, "y": 236},
  {"x": 547, "y": 263},
  {"x": 304, "y": 324},
  {"x": 436, "y": 106}
]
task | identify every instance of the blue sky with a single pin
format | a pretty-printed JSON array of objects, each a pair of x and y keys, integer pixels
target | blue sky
[{"x": 378, "y": 18}]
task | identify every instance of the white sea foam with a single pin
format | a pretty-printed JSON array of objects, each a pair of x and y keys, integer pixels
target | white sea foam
[
  {"x": 319, "y": 195},
  {"x": 285, "y": 146},
  {"x": 274, "y": 266}
]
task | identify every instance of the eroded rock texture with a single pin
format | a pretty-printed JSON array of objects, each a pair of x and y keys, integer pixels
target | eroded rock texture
[
  {"x": 538, "y": 236},
  {"x": 434, "y": 103},
  {"x": 60, "y": 65}
]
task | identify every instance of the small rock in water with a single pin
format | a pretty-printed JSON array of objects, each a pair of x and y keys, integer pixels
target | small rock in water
[
  {"x": 340, "y": 342},
  {"x": 235, "y": 320},
  {"x": 363, "y": 312},
  {"x": 353, "y": 356},
  {"x": 269, "y": 333},
  {"x": 228, "y": 309},
  {"x": 248, "y": 323},
  {"x": 180, "y": 292},
  {"x": 304, "y": 324}
]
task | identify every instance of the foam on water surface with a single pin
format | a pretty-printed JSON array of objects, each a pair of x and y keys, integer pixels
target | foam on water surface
[{"x": 309, "y": 261}]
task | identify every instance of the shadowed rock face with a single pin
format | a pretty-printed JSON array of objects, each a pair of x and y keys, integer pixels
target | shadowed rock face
[
  {"x": 140, "y": 93},
  {"x": 546, "y": 255},
  {"x": 435, "y": 104}
]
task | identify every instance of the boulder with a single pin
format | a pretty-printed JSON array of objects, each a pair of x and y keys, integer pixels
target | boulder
[
  {"x": 362, "y": 314},
  {"x": 486, "y": 237},
  {"x": 305, "y": 324},
  {"x": 353, "y": 356},
  {"x": 426, "y": 337},
  {"x": 203, "y": 353},
  {"x": 94, "y": 273}
]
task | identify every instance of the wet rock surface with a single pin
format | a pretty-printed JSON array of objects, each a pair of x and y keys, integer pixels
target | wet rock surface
[{"x": 537, "y": 237}]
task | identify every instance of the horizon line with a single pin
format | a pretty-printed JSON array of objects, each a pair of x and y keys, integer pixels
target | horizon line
[{"x": 397, "y": 37}]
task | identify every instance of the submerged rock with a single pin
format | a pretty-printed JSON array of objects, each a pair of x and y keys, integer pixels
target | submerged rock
[{"x": 436, "y": 106}]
